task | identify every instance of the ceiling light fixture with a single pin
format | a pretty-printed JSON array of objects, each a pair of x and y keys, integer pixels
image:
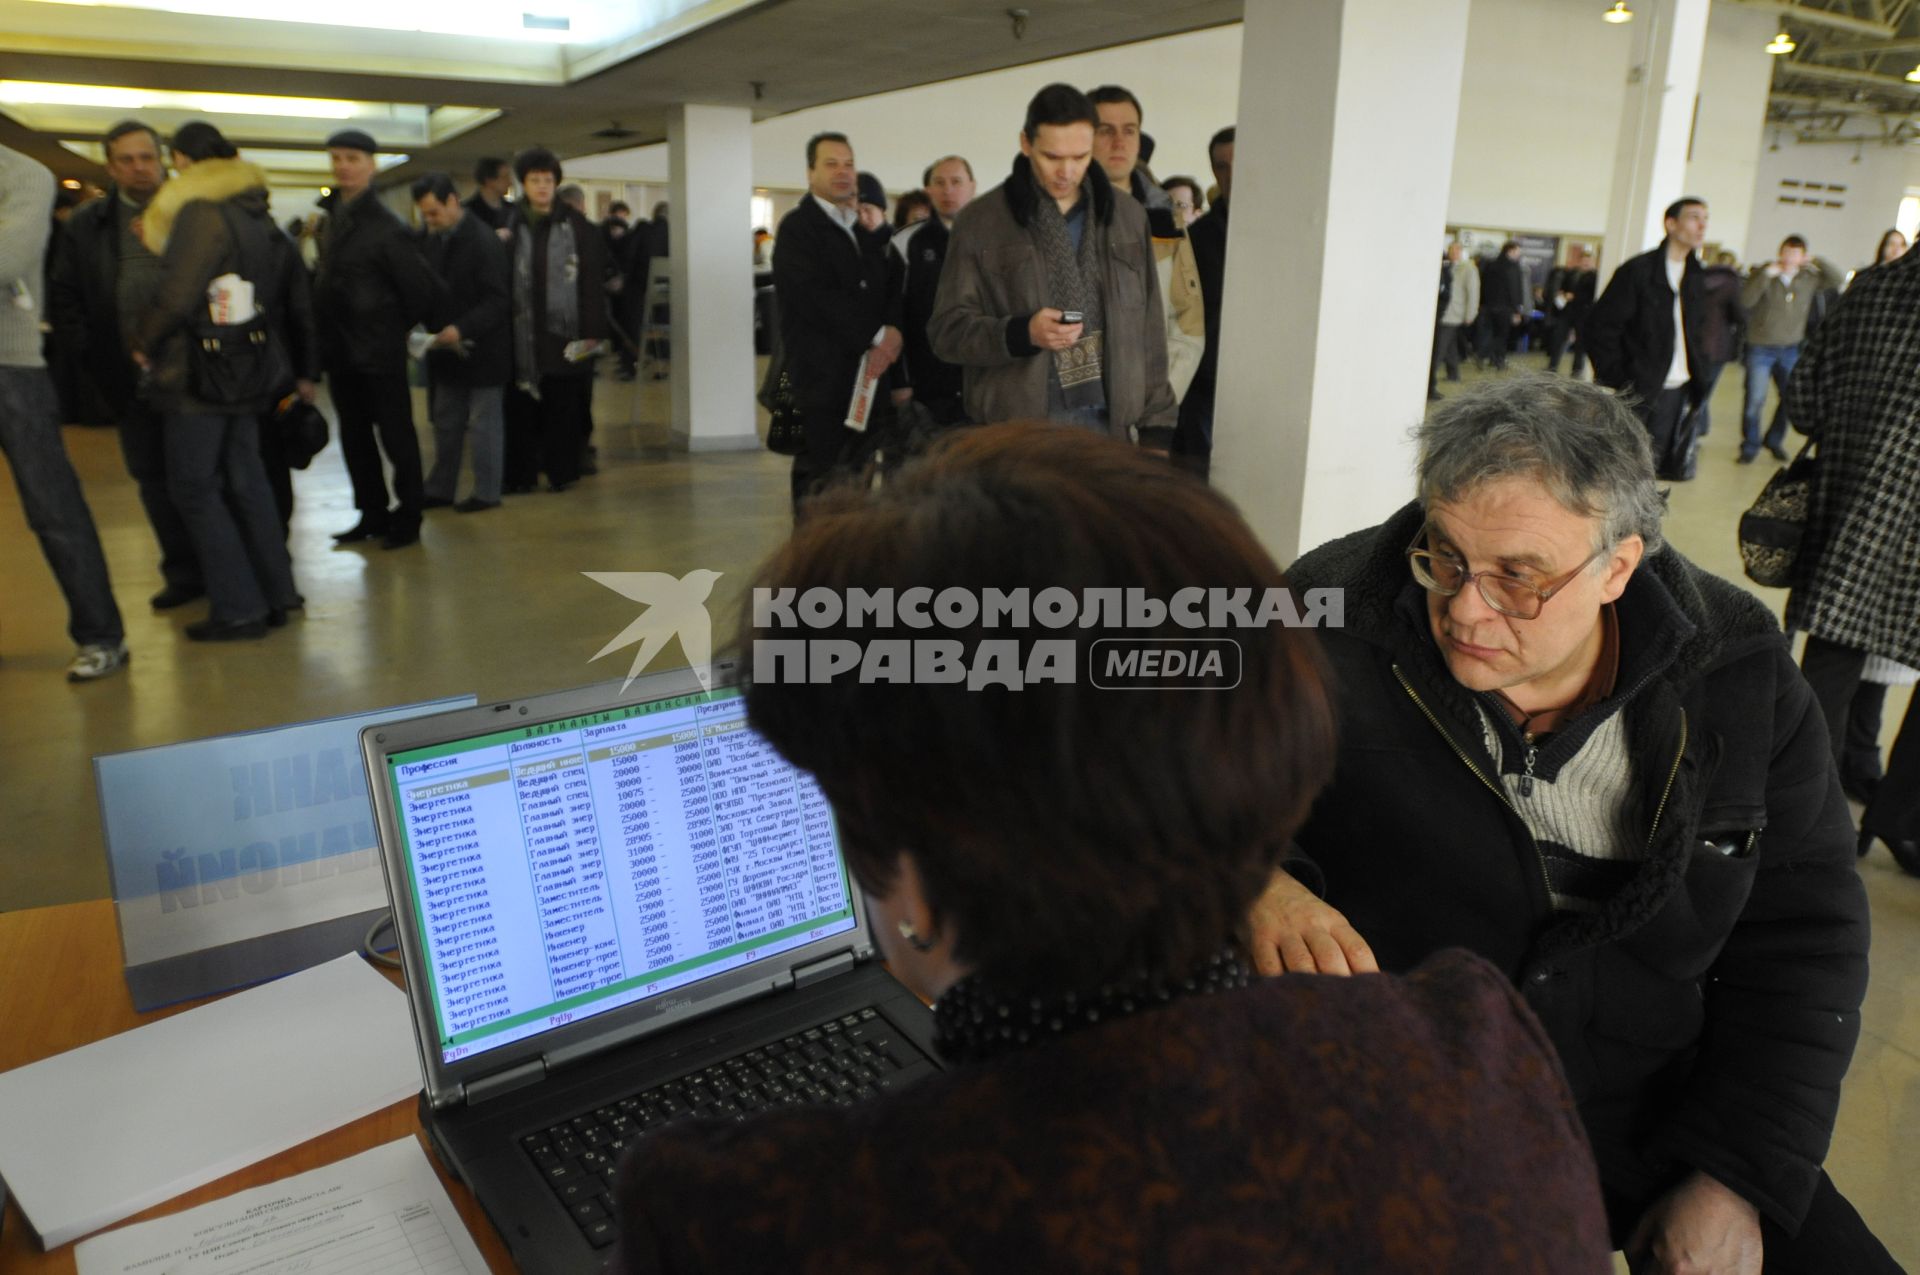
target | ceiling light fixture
[
  {"x": 1914, "y": 75},
  {"x": 1782, "y": 44},
  {"x": 32, "y": 93},
  {"x": 1618, "y": 13}
]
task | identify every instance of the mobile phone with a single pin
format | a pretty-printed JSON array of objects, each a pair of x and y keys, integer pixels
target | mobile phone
[{"x": 1072, "y": 316}]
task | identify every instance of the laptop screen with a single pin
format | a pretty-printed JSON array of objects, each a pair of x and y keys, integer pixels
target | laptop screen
[{"x": 564, "y": 868}]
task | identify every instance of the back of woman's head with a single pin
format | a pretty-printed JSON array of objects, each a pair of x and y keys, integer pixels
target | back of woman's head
[
  {"x": 201, "y": 140},
  {"x": 1070, "y": 831}
]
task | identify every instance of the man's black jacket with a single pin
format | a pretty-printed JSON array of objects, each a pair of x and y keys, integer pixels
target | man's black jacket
[
  {"x": 1629, "y": 332},
  {"x": 914, "y": 259},
  {"x": 1707, "y": 1012},
  {"x": 832, "y": 289},
  {"x": 84, "y": 307},
  {"x": 472, "y": 265},
  {"x": 371, "y": 288}
]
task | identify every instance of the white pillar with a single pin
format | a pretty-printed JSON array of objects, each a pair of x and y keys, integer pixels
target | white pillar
[
  {"x": 1342, "y": 158},
  {"x": 1730, "y": 124},
  {"x": 710, "y": 175},
  {"x": 1656, "y": 125}
]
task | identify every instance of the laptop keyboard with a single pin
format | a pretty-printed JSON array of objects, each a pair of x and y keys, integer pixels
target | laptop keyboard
[{"x": 838, "y": 1062}]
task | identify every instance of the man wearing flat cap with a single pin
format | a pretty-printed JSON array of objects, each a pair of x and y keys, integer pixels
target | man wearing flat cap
[{"x": 371, "y": 288}]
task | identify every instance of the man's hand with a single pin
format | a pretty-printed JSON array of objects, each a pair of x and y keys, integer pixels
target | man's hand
[
  {"x": 141, "y": 361},
  {"x": 1295, "y": 933},
  {"x": 1518, "y": 316},
  {"x": 306, "y": 389},
  {"x": 1698, "y": 1228},
  {"x": 505, "y": 233},
  {"x": 902, "y": 397},
  {"x": 449, "y": 335},
  {"x": 1045, "y": 330}
]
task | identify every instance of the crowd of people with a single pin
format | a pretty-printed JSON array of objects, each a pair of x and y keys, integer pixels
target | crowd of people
[{"x": 1562, "y": 747}]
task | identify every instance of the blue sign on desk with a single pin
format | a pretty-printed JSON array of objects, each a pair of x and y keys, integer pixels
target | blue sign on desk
[{"x": 243, "y": 857}]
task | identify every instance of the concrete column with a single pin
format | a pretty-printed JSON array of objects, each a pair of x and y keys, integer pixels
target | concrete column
[
  {"x": 710, "y": 176},
  {"x": 1342, "y": 160},
  {"x": 1656, "y": 125},
  {"x": 1729, "y": 127}
]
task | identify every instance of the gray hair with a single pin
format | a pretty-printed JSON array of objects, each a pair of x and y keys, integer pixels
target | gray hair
[{"x": 1579, "y": 441}]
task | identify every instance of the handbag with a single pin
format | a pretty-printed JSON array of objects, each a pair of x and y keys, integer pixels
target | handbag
[
  {"x": 1775, "y": 524},
  {"x": 303, "y": 430},
  {"x": 237, "y": 365},
  {"x": 786, "y": 430}
]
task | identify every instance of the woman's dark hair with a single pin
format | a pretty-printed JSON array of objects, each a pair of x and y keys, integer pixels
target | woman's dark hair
[
  {"x": 439, "y": 185},
  {"x": 1059, "y": 104},
  {"x": 1199, "y": 195},
  {"x": 485, "y": 170},
  {"x": 201, "y": 140},
  {"x": 1880, "y": 252},
  {"x": 1070, "y": 834},
  {"x": 907, "y": 203},
  {"x": 536, "y": 159}
]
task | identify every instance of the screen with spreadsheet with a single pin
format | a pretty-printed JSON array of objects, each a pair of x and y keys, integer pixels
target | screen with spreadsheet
[{"x": 565, "y": 868}]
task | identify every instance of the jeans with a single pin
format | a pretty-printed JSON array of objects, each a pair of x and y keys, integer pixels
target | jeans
[
  {"x": 368, "y": 401},
  {"x": 142, "y": 435},
  {"x": 216, "y": 479},
  {"x": 55, "y": 508},
  {"x": 460, "y": 413},
  {"x": 1446, "y": 350},
  {"x": 1764, "y": 363}
]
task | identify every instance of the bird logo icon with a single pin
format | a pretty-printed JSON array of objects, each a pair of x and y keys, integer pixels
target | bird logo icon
[{"x": 674, "y": 607}]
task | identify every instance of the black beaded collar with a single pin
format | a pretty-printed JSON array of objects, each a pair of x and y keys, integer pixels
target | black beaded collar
[{"x": 972, "y": 1022}]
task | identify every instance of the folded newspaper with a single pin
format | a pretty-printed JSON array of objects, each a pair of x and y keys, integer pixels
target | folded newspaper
[
  {"x": 865, "y": 387},
  {"x": 230, "y": 300}
]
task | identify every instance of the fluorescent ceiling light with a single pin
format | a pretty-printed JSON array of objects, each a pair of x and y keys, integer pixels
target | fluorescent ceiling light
[
  {"x": 1782, "y": 44},
  {"x": 1618, "y": 13},
  {"x": 31, "y": 93},
  {"x": 291, "y": 162},
  {"x": 547, "y": 21},
  {"x": 1914, "y": 75}
]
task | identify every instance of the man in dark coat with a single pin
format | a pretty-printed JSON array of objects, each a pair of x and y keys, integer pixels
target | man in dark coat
[
  {"x": 492, "y": 182},
  {"x": 471, "y": 355},
  {"x": 835, "y": 310},
  {"x": 1193, "y": 436},
  {"x": 1648, "y": 334},
  {"x": 915, "y": 257},
  {"x": 371, "y": 288},
  {"x": 1570, "y": 290},
  {"x": 1857, "y": 591},
  {"x": 96, "y": 290},
  {"x": 1596, "y": 765},
  {"x": 557, "y": 273},
  {"x": 1503, "y": 304}
]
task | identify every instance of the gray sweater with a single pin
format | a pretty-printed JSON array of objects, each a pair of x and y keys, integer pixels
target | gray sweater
[{"x": 26, "y": 221}]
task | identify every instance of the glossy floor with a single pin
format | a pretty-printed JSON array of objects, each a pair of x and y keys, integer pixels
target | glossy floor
[{"x": 495, "y": 604}]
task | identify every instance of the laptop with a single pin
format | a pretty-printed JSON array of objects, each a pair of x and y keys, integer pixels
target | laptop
[{"x": 617, "y": 909}]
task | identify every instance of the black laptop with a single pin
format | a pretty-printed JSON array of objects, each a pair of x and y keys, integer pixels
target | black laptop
[{"x": 617, "y": 909}]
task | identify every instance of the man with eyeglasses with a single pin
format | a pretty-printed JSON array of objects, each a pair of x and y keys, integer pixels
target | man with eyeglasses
[{"x": 1566, "y": 748}]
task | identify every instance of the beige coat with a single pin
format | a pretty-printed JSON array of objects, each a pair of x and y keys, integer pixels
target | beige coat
[
  {"x": 995, "y": 279},
  {"x": 1186, "y": 314}
]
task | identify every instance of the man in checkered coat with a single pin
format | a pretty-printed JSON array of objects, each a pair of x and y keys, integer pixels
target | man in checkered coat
[{"x": 1857, "y": 588}]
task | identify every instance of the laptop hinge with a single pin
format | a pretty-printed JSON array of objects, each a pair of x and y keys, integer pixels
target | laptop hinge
[
  {"x": 531, "y": 1072},
  {"x": 826, "y": 967}
]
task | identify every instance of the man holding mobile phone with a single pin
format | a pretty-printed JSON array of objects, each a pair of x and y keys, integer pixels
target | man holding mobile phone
[{"x": 1049, "y": 301}]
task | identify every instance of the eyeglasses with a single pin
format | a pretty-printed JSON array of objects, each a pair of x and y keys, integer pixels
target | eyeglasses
[{"x": 1446, "y": 575}]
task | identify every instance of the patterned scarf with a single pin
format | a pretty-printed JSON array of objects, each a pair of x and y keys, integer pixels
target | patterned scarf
[
  {"x": 1073, "y": 280},
  {"x": 563, "y": 294}
]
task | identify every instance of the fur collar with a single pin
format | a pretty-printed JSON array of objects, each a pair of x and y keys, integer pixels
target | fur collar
[
  {"x": 1023, "y": 196},
  {"x": 210, "y": 179}
]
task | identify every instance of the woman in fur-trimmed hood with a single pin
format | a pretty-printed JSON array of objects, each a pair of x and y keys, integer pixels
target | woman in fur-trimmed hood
[{"x": 212, "y": 221}]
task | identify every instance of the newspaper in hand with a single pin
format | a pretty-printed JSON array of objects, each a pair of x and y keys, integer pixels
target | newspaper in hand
[
  {"x": 865, "y": 387},
  {"x": 230, "y": 300}
]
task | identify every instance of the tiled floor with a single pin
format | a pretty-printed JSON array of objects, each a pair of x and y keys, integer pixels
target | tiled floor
[{"x": 495, "y": 604}]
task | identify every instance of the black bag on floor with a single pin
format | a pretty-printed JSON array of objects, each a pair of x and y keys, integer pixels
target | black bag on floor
[
  {"x": 303, "y": 430},
  {"x": 786, "y": 430},
  {"x": 1774, "y": 525}
]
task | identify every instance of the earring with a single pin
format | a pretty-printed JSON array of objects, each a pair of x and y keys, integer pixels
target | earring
[{"x": 912, "y": 936}]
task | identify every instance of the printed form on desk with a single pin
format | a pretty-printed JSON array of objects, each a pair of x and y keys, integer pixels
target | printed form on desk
[
  {"x": 382, "y": 1212},
  {"x": 95, "y": 1135}
]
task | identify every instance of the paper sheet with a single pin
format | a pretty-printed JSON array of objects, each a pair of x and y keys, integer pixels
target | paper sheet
[
  {"x": 101, "y": 1132},
  {"x": 382, "y": 1212},
  {"x": 860, "y": 408}
]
